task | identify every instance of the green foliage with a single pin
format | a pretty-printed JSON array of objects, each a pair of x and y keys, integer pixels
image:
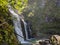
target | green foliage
[
  {"x": 51, "y": 11},
  {"x": 7, "y": 35},
  {"x": 18, "y": 4},
  {"x": 37, "y": 15}
]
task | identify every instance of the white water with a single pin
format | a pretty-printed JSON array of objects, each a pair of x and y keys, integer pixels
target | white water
[
  {"x": 25, "y": 29},
  {"x": 17, "y": 26}
]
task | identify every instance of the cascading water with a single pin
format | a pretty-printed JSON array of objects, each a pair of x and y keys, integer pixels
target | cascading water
[
  {"x": 29, "y": 30},
  {"x": 17, "y": 26},
  {"x": 25, "y": 25}
]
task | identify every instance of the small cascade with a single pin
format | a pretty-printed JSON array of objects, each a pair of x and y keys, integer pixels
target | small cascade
[
  {"x": 17, "y": 26},
  {"x": 25, "y": 26},
  {"x": 29, "y": 29}
]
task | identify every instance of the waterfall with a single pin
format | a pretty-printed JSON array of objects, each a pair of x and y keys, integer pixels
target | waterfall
[
  {"x": 29, "y": 30},
  {"x": 25, "y": 25},
  {"x": 17, "y": 26}
]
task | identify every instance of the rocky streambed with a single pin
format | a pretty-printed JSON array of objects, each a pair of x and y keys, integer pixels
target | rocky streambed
[
  {"x": 42, "y": 42},
  {"x": 53, "y": 40}
]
